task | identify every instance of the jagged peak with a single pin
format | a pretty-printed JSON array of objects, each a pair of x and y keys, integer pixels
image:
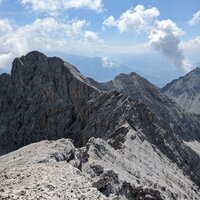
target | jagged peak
[
  {"x": 31, "y": 56},
  {"x": 185, "y": 91},
  {"x": 191, "y": 76},
  {"x": 134, "y": 78},
  {"x": 35, "y": 55},
  {"x": 194, "y": 71},
  {"x": 127, "y": 75},
  {"x": 131, "y": 75},
  {"x": 28, "y": 63}
]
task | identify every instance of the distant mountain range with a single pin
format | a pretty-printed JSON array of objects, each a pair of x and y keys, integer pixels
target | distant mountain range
[
  {"x": 103, "y": 69},
  {"x": 156, "y": 71},
  {"x": 98, "y": 68},
  {"x": 65, "y": 136}
]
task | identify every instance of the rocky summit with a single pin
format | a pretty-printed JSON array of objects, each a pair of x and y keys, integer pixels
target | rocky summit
[
  {"x": 63, "y": 136},
  {"x": 186, "y": 91}
]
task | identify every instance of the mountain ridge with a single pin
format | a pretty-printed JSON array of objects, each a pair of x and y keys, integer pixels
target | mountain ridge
[
  {"x": 141, "y": 89},
  {"x": 185, "y": 91},
  {"x": 48, "y": 99}
]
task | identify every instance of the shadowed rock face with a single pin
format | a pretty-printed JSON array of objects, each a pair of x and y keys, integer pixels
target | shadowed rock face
[
  {"x": 47, "y": 98},
  {"x": 44, "y": 98},
  {"x": 186, "y": 91}
]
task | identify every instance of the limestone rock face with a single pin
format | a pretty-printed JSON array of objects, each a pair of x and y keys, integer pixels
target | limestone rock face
[
  {"x": 186, "y": 91},
  {"x": 124, "y": 135},
  {"x": 44, "y": 98},
  {"x": 43, "y": 172},
  {"x": 48, "y": 170}
]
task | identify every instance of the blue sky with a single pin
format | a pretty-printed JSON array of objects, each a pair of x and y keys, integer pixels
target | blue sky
[{"x": 133, "y": 33}]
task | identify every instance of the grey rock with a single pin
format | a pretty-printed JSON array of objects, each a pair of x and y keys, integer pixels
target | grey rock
[
  {"x": 48, "y": 99},
  {"x": 186, "y": 91},
  {"x": 133, "y": 172},
  {"x": 44, "y": 98},
  {"x": 23, "y": 176},
  {"x": 142, "y": 90}
]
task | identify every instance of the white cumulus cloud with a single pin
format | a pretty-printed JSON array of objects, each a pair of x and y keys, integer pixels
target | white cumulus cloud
[
  {"x": 192, "y": 48},
  {"x": 5, "y": 26},
  {"x": 137, "y": 20},
  {"x": 53, "y": 7},
  {"x": 75, "y": 28},
  {"x": 46, "y": 35},
  {"x": 195, "y": 19},
  {"x": 91, "y": 36},
  {"x": 165, "y": 37},
  {"x": 193, "y": 44},
  {"x": 107, "y": 63},
  {"x": 110, "y": 21}
]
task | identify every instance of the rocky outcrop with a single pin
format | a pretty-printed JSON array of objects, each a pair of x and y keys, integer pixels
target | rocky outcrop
[
  {"x": 137, "y": 87},
  {"x": 186, "y": 91},
  {"x": 48, "y": 170},
  {"x": 44, "y": 98},
  {"x": 48, "y": 99},
  {"x": 42, "y": 171}
]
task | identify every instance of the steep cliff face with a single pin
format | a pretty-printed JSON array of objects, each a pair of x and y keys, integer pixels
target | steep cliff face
[
  {"x": 44, "y": 98},
  {"x": 47, "y": 98},
  {"x": 186, "y": 91}
]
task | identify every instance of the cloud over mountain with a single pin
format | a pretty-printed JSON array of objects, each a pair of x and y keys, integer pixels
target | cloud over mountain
[
  {"x": 95, "y": 28},
  {"x": 47, "y": 34},
  {"x": 165, "y": 37}
]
